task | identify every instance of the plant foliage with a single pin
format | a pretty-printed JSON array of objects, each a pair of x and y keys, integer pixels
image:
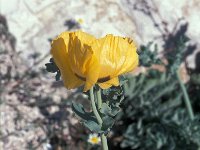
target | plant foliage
[{"x": 154, "y": 115}]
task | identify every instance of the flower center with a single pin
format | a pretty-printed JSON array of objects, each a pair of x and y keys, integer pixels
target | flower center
[
  {"x": 100, "y": 80},
  {"x": 95, "y": 140}
]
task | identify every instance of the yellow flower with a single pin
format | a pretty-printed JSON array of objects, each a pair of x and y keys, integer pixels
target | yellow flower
[
  {"x": 85, "y": 60},
  {"x": 80, "y": 21},
  {"x": 94, "y": 139}
]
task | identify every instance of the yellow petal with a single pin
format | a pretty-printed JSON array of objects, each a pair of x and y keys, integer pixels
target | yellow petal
[
  {"x": 102, "y": 53},
  {"x": 131, "y": 60},
  {"x": 92, "y": 73},
  {"x": 80, "y": 52},
  {"x": 117, "y": 55},
  {"x": 108, "y": 84},
  {"x": 85, "y": 38},
  {"x": 82, "y": 59},
  {"x": 59, "y": 51}
]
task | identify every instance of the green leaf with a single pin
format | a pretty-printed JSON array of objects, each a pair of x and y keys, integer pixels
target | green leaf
[
  {"x": 82, "y": 114},
  {"x": 148, "y": 56},
  {"x": 87, "y": 118},
  {"x": 115, "y": 111},
  {"x": 122, "y": 80},
  {"x": 52, "y": 67},
  {"x": 107, "y": 123},
  {"x": 106, "y": 110},
  {"x": 93, "y": 126},
  {"x": 58, "y": 75},
  {"x": 113, "y": 98}
]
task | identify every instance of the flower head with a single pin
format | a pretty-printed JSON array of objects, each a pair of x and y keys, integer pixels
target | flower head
[
  {"x": 80, "y": 21},
  {"x": 85, "y": 60},
  {"x": 94, "y": 139}
]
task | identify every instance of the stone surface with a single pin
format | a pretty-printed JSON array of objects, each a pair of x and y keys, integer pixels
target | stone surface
[
  {"x": 156, "y": 18},
  {"x": 33, "y": 22}
]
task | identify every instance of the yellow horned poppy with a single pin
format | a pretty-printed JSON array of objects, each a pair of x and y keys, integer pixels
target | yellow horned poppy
[{"x": 85, "y": 60}]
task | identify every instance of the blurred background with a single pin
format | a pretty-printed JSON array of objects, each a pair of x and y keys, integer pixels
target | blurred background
[{"x": 36, "y": 109}]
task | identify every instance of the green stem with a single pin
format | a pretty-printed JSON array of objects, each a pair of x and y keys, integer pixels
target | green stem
[
  {"x": 94, "y": 107},
  {"x": 99, "y": 102},
  {"x": 100, "y": 121},
  {"x": 186, "y": 97},
  {"x": 104, "y": 142}
]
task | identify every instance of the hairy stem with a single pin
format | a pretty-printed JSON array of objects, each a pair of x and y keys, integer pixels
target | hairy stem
[
  {"x": 99, "y": 102},
  {"x": 104, "y": 142},
  {"x": 186, "y": 97},
  {"x": 94, "y": 109}
]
